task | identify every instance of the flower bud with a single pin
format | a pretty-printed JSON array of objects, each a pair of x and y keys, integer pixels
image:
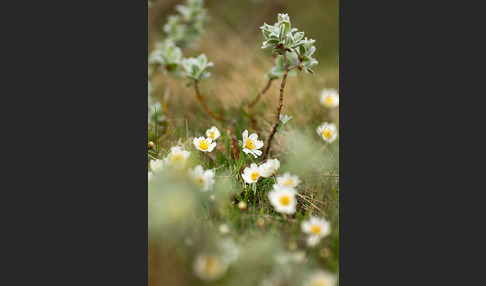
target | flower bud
[{"x": 242, "y": 206}]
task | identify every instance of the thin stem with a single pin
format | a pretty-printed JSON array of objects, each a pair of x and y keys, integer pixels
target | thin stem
[
  {"x": 249, "y": 108},
  {"x": 262, "y": 92},
  {"x": 280, "y": 104},
  {"x": 151, "y": 157},
  {"x": 201, "y": 100}
]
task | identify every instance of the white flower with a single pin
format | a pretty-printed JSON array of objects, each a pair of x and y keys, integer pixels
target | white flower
[
  {"x": 228, "y": 249},
  {"x": 321, "y": 278},
  {"x": 204, "y": 144},
  {"x": 203, "y": 179},
  {"x": 210, "y": 266},
  {"x": 251, "y": 144},
  {"x": 251, "y": 174},
  {"x": 330, "y": 98},
  {"x": 316, "y": 228},
  {"x": 283, "y": 199},
  {"x": 156, "y": 165},
  {"x": 150, "y": 176},
  {"x": 328, "y": 131},
  {"x": 177, "y": 157},
  {"x": 213, "y": 133},
  {"x": 224, "y": 229},
  {"x": 269, "y": 168},
  {"x": 288, "y": 180}
]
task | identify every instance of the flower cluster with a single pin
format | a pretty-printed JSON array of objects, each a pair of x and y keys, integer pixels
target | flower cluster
[
  {"x": 213, "y": 264},
  {"x": 254, "y": 172},
  {"x": 176, "y": 159},
  {"x": 282, "y": 197}
]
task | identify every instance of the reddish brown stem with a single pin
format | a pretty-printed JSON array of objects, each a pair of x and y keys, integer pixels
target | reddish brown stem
[
  {"x": 280, "y": 104},
  {"x": 249, "y": 109},
  {"x": 201, "y": 100},
  {"x": 262, "y": 92}
]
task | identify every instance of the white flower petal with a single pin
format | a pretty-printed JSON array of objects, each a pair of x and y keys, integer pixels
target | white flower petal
[
  {"x": 253, "y": 137},
  {"x": 259, "y": 144},
  {"x": 211, "y": 147}
]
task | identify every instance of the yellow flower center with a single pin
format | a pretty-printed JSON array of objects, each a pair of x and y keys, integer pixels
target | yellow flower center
[
  {"x": 288, "y": 182},
  {"x": 285, "y": 200},
  {"x": 327, "y": 133},
  {"x": 200, "y": 181},
  {"x": 250, "y": 144},
  {"x": 254, "y": 176},
  {"x": 204, "y": 144},
  {"x": 329, "y": 100},
  {"x": 176, "y": 159},
  {"x": 211, "y": 266},
  {"x": 211, "y": 134},
  {"x": 316, "y": 229},
  {"x": 319, "y": 283}
]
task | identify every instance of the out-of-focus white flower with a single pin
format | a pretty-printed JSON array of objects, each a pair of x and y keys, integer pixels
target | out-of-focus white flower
[
  {"x": 286, "y": 258},
  {"x": 156, "y": 165},
  {"x": 210, "y": 266},
  {"x": 224, "y": 229},
  {"x": 328, "y": 131},
  {"x": 283, "y": 199},
  {"x": 316, "y": 228},
  {"x": 321, "y": 278},
  {"x": 203, "y": 179},
  {"x": 329, "y": 98},
  {"x": 213, "y": 133},
  {"x": 204, "y": 144},
  {"x": 251, "y": 174},
  {"x": 251, "y": 144},
  {"x": 150, "y": 176},
  {"x": 273, "y": 279},
  {"x": 269, "y": 168},
  {"x": 177, "y": 157},
  {"x": 288, "y": 180},
  {"x": 229, "y": 250}
]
